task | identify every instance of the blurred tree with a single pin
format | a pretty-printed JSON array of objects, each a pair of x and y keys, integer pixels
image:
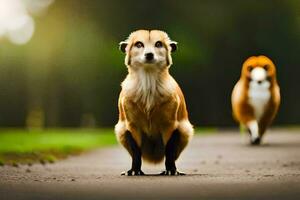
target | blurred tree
[{"x": 70, "y": 71}]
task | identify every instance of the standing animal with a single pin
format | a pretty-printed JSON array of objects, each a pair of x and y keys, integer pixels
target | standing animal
[
  {"x": 153, "y": 119},
  {"x": 256, "y": 96}
]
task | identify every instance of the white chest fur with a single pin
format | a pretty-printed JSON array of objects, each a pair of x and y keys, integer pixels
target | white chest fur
[
  {"x": 259, "y": 96},
  {"x": 148, "y": 87}
]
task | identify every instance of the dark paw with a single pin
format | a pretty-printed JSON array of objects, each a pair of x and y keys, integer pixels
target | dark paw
[
  {"x": 133, "y": 173},
  {"x": 256, "y": 141},
  {"x": 172, "y": 173}
]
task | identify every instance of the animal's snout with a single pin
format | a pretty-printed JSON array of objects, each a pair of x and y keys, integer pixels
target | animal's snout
[
  {"x": 259, "y": 82},
  {"x": 149, "y": 56}
]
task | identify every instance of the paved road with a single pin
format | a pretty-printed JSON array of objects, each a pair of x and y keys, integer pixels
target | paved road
[{"x": 219, "y": 166}]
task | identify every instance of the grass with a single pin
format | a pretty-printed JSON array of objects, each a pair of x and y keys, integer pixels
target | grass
[
  {"x": 19, "y": 146},
  {"x": 24, "y": 146},
  {"x": 205, "y": 130}
]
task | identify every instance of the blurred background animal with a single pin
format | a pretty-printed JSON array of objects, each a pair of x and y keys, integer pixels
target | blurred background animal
[{"x": 256, "y": 96}]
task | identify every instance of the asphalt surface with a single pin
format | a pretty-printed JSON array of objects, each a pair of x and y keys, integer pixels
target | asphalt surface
[{"x": 218, "y": 166}]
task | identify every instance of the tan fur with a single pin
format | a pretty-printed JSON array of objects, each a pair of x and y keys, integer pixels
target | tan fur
[
  {"x": 242, "y": 110},
  {"x": 151, "y": 104}
]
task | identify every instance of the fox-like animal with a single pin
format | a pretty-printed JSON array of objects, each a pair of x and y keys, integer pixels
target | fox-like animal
[
  {"x": 153, "y": 119},
  {"x": 256, "y": 96}
]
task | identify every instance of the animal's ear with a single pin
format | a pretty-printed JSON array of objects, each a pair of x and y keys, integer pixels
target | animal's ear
[
  {"x": 173, "y": 46},
  {"x": 122, "y": 46}
]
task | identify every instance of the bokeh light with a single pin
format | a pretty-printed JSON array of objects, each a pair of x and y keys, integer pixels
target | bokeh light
[{"x": 16, "y": 21}]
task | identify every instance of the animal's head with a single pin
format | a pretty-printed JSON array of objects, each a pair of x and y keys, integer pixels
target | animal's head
[
  {"x": 259, "y": 69},
  {"x": 150, "y": 50}
]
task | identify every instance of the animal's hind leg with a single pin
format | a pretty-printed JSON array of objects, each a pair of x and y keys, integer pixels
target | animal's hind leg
[
  {"x": 134, "y": 150},
  {"x": 253, "y": 130},
  {"x": 174, "y": 147}
]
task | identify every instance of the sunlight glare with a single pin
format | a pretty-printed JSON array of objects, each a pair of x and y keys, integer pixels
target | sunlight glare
[{"x": 16, "y": 22}]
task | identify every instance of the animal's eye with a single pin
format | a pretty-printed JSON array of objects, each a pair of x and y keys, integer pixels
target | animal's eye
[
  {"x": 158, "y": 44},
  {"x": 266, "y": 67},
  {"x": 139, "y": 44},
  {"x": 250, "y": 68}
]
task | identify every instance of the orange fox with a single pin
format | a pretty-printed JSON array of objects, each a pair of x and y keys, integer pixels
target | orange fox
[{"x": 256, "y": 96}]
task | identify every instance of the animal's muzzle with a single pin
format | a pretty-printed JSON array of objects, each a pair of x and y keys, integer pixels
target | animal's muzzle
[{"x": 149, "y": 56}]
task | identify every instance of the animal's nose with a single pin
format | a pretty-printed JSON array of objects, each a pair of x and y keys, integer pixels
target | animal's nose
[
  {"x": 149, "y": 56},
  {"x": 259, "y": 82}
]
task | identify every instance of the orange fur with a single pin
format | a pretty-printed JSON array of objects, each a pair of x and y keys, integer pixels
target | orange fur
[
  {"x": 151, "y": 103},
  {"x": 243, "y": 111}
]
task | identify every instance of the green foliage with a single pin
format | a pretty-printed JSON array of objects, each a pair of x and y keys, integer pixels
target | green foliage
[{"x": 72, "y": 66}]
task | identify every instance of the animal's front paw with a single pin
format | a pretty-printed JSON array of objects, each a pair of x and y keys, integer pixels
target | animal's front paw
[
  {"x": 132, "y": 172},
  {"x": 255, "y": 141},
  {"x": 172, "y": 172}
]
